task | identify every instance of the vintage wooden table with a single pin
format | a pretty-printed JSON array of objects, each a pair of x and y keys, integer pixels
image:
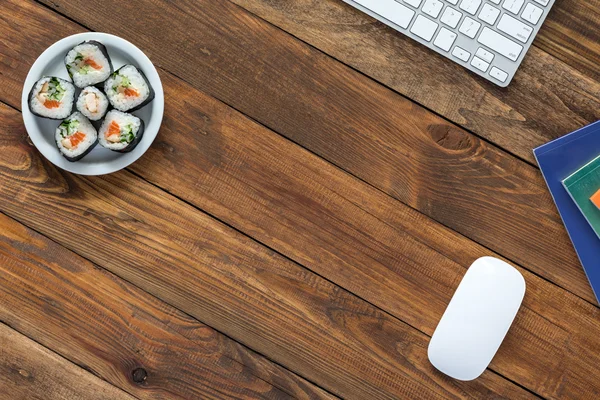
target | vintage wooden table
[{"x": 317, "y": 190}]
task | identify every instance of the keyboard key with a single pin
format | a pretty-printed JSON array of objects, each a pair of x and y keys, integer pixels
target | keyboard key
[
  {"x": 500, "y": 44},
  {"x": 514, "y": 6},
  {"x": 489, "y": 14},
  {"x": 469, "y": 27},
  {"x": 391, "y": 10},
  {"x": 451, "y": 17},
  {"x": 515, "y": 28},
  {"x": 498, "y": 74},
  {"x": 470, "y": 6},
  {"x": 532, "y": 13},
  {"x": 445, "y": 39},
  {"x": 414, "y": 3},
  {"x": 480, "y": 64},
  {"x": 484, "y": 55},
  {"x": 461, "y": 54},
  {"x": 424, "y": 28},
  {"x": 488, "y": 37},
  {"x": 432, "y": 7}
]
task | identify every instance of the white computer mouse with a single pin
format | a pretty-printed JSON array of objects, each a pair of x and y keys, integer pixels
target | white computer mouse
[{"x": 477, "y": 319}]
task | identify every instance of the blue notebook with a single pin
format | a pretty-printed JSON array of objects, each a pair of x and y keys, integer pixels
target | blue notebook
[{"x": 557, "y": 160}]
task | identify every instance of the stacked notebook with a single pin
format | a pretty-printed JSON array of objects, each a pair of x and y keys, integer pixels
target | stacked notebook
[{"x": 571, "y": 168}]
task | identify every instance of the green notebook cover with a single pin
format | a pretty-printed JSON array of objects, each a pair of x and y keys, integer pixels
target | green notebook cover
[{"x": 582, "y": 185}]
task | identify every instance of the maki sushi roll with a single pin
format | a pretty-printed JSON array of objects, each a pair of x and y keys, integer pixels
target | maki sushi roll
[
  {"x": 128, "y": 89},
  {"x": 76, "y": 137},
  {"x": 92, "y": 103},
  {"x": 88, "y": 64},
  {"x": 120, "y": 131},
  {"x": 52, "y": 97}
]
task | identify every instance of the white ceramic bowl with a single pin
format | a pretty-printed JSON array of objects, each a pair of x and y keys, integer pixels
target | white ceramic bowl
[{"x": 100, "y": 160}]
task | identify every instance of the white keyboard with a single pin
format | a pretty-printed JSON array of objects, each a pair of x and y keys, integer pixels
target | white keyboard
[{"x": 489, "y": 37}]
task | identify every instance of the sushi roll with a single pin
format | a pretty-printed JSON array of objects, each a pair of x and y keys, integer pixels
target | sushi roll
[
  {"x": 128, "y": 89},
  {"x": 52, "y": 97},
  {"x": 76, "y": 137},
  {"x": 120, "y": 131},
  {"x": 92, "y": 103},
  {"x": 88, "y": 63}
]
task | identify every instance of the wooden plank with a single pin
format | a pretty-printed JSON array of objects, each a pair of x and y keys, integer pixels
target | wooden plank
[
  {"x": 378, "y": 257},
  {"x": 355, "y": 123},
  {"x": 572, "y": 34},
  {"x": 394, "y": 256},
  {"x": 213, "y": 273},
  {"x": 121, "y": 333},
  {"x": 516, "y": 119},
  {"x": 344, "y": 230},
  {"x": 29, "y": 371}
]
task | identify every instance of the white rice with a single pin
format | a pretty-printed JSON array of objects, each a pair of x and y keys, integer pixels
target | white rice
[
  {"x": 99, "y": 100},
  {"x": 36, "y": 101},
  {"x": 136, "y": 81},
  {"x": 123, "y": 119},
  {"x": 85, "y": 76},
  {"x": 82, "y": 125}
]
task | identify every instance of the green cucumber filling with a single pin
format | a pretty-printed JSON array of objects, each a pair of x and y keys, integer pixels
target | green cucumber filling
[
  {"x": 127, "y": 135},
  {"x": 79, "y": 66},
  {"x": 68, "y": 127},
  {"x": 120, "y": 80},
  {"x": 55, "y": 90}
]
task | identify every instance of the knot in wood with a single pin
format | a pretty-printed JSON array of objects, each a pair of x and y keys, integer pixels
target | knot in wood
[{"x": 139, "y": 375}]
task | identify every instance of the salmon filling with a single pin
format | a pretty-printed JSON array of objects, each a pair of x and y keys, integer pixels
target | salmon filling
[
  {"x": 71, "y": 136},
  {"x": 83, "y": 65},
  {"x": 92, "y": 63},
  {"x": 123, "y": 85},
  {"x": 51, "y": 103},
  {"x": 115, "y": 134}
]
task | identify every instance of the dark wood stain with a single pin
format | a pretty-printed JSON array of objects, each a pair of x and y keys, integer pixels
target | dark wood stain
[
  {"x": 401, "y": 244},
  {"x": 215, "y": 274},
  {"x": 361, "y": 126}
]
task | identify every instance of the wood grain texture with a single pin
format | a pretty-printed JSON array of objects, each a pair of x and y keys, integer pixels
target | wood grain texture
[
  {"x": 223, "y": 278},
  {"x": 516, "y": 119},
  {"x": 346, "y": 231},
  {"x": 29, "y": 371},
  {"x": 216, "y": 121},
  {"x": 357, "y": 124},
  {"x": 121, "y": 333},
  {"x": 343, "y": 229},
  {"x": 572, "y": 34}
]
